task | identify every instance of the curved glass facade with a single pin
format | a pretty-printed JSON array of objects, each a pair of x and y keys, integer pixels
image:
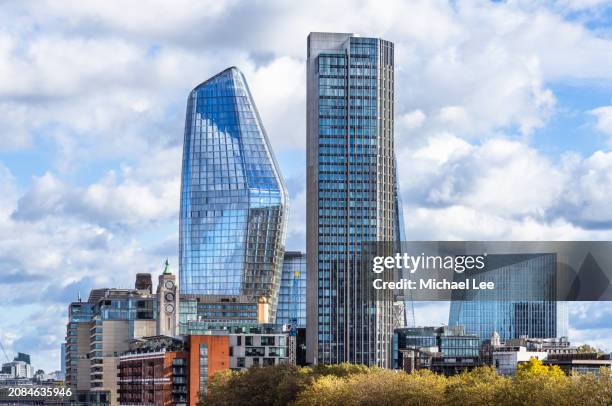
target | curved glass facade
[{"x": 233, "y": 199}]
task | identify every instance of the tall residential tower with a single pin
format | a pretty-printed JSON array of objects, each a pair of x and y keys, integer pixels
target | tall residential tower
[
  {"x": 352, "y": 195},
  {"x": 233, "y": 199}
]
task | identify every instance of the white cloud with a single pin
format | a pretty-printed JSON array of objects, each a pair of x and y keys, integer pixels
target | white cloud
[
  {"x": 503, "y": 189},
  {"x": 586, "y": 200},
  {"x": 590, "y": 324},
  {"x": 573, "y": 5},
  {"x": 429, "y": 313},
  {"x": 53, "y": 258},
  {"x": 499, "y": 182},
  {"x": 489, "y": 177},
  {"x": 458, "y": 222},
  {"x": 143, "y": 17},
  {"x": 296, "y": 230},
  {"x": 604, "y": 119},
  {"x": 279, "y": 91},
  {"x": 440, "y": 149},
  {"x": 125, "y": 199},
  {"x": 411, "y": 120}
]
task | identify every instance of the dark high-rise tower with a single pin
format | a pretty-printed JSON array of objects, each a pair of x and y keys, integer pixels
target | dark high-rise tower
[
  {"x": 352, "y": 195},
  {"x": 233, "y": 199}
]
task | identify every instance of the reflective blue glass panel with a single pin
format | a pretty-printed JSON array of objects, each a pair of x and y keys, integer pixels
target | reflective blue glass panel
[
  {"x": 534, "y": 273},
  {"x": 292, "y": 295},
  {"x": 233, "y": 199}
]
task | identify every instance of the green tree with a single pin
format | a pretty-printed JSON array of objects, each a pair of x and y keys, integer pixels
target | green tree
[
  {"x": 340, "y": 370},
  {"x": 591, "y": 389},
  {"x": 220, "y": 388},
  {"x": 265, "y": 386},
  {"x": 585, "y": 348},
  {"x": 376, "y": 387},
  {"x": 357, "y": 385},
  {"x": 534, "y": 367},
  {"x": 536, "y": 384},
  {"x": 481, "y": 386}
]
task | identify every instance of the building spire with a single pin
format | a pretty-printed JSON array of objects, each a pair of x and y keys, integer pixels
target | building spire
[{"x": 167, "y": 268}]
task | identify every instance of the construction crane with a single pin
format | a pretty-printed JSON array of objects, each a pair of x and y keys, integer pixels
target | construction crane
[{"x": 5, "y": 354}]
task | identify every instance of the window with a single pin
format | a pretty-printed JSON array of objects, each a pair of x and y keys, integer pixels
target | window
[
  {"x": 248, "y": 340},
  {"x": 203, "y": 367},
  {"x": 240, "y": 362},
  {"x": 267, "y": 340},
  {"x": 255, "y": 351},
  {"x": 276, "y": 352}
]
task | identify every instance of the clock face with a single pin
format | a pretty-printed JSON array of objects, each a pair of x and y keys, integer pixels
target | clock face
[
  {"x": 169, "y": 284},
  {"x": 169, "y": 297},
  {"x": 169, "y": 308}
]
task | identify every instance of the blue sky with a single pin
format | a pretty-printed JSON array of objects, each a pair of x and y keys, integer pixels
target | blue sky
[{"x": 503, "y": 131}]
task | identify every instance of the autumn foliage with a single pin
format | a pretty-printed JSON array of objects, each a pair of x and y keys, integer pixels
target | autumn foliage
[{"x": 346, "y": 384}]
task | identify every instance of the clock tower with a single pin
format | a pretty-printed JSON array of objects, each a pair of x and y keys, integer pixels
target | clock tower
[{"x": 167, "y": 303}]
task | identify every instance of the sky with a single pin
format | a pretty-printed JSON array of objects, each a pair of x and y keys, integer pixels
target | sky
[{"x": 503, "y": 131}]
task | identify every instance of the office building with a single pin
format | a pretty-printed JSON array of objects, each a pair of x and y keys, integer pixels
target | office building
[
  {"x": 18, "y": 369},
  {"x": 351, "y": 196},
  {"x": 257, "y": 346},
  {"x": 507, "y": 359},
  {"x": 100, "y": 330},
  {"x": 249, "y": 344},
  {"x": 119, "y": 315},
  {"x": 80, "y": 316},
  {"x": 23, "y": 357},
  {"x": 163, "y": 370},
  {"x": 292, "y": 295},
  {"x": 233, "y": 199},
  {"x": 552, "y": 346},
  {"x": 292, "y": 305},
  {"x": 579, "y": 363},
  {"x": 484, "y": 312},
  {"x": 446, "y": 350},
  {"x": 231, "y": 310},
  {"x": 63, "y": 362}
]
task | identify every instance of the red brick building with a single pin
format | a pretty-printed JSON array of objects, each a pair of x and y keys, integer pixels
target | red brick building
[
  {"x": 152, "y": 378},
  {"x": 207, "y": 355},
  {"x": 165, "y": 371}
]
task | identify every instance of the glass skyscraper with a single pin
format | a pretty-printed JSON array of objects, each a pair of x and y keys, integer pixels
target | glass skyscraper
[
  {"x": 292, "y": 295},
  {"x": 233, "y": 199},
  {"x": 351, "y": 195},
  {"x": 483, "y": 312}
]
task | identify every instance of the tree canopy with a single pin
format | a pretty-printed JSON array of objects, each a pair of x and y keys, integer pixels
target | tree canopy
[{"x": 348, "y": 384}]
